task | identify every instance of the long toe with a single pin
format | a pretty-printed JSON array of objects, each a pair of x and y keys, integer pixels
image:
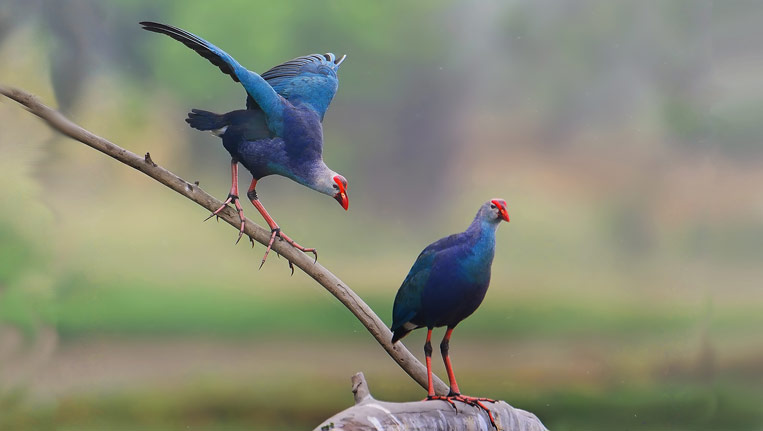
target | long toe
[
  {"x": 449, "y": 400},
  {"x": 299, "y": 247},
  {"x": 231, "y": 198},
  {"x": 273, "y": 234},
  {"x": 477, "y": 402},
  {"x": 241, "y": 217}
]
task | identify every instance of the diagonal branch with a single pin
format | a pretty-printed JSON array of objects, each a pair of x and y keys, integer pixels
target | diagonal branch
[{"x": 339, "y": 289}]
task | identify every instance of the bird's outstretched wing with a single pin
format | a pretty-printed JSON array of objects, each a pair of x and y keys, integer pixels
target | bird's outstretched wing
[
  {"x": 257, "y": 88},
  {"x": 310, "y": 79}
]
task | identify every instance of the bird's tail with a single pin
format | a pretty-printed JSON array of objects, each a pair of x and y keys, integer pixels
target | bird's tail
[
  {"x": 399, "y": 333},
  {"x": 205, "y": 120}
]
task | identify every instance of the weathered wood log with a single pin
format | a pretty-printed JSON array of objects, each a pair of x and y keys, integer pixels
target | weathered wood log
[{"x": 371, "y": 414}]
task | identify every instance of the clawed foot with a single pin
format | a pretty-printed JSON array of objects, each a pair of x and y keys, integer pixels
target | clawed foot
[
  {"x": 276, "y": 232},
  {"x": 472, "y": 401},
  {"x": 232, "y": 198}
]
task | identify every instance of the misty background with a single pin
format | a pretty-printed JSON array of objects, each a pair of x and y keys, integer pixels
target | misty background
[{"x": 625, "y": 137}]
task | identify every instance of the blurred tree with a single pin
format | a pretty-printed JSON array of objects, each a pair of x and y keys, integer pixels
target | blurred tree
[
  {"x": 597, "y": 64},
  {"x": 84, "y": 36}
]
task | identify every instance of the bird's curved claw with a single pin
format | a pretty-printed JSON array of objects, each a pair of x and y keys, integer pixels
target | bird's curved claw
[
  {"x": 232, "y": 198},
  {"x": 472, "y": 401},
  {"x": 441, "y": 398},
  {"x": 299, "y": 247},
  {"x": 276, "y": 232},
  {"x": 273, "y": 234}
]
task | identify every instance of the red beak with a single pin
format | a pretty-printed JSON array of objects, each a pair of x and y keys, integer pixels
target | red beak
[
  {"x": 504, "y": 214},
  {"x": 501, "y": 204},
  {"x": 341, "y": 197}
]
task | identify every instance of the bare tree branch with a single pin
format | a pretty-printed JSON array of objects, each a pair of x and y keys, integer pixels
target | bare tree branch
[
  {"x": 339, "y": 289},
  {"x": 368, "y": 413}
]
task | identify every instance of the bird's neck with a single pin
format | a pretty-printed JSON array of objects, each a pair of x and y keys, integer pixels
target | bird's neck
[
  {"x": 482, "y": 228},
  {"x": 482, "y": 233},
  {"x": 480, "y": 250},
  {"x": 319, "y": 178}
]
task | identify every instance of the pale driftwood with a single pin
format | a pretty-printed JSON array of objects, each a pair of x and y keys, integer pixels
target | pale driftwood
[
  {"x": 371, "y": 414},
  {"x": 332, "y": 283}
]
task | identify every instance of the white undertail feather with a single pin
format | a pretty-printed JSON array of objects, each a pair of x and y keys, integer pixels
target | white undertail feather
[{"x": 219, "y": 132}]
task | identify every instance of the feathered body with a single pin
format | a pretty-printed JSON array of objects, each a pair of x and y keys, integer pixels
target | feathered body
[
  {"x": 280, "y": 132},
  {"x": 295, "y": 155},
  {"x": 449, "y": 279},
  {"x": 446, "y": 284}
]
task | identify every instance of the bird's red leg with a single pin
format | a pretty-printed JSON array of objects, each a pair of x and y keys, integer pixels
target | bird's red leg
[
  {"x": 444, "y": 346},
  {"x": 454, "y": 393},
  {"x": 252, "y": 195},
  {"x": 275, "y": 231},
  {"x": 233, "y": 197},
  {"x": 430, "y": 384},
  {"x": 428, "y": 355}
]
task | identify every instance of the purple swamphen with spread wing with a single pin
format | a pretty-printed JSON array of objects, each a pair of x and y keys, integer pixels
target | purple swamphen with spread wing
[
  {"x": 445, "y": 285},
  {"x": 280, "y": 132}
]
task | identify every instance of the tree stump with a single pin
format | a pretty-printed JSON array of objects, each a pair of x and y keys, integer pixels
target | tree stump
[{"x": 371, "y": 414}]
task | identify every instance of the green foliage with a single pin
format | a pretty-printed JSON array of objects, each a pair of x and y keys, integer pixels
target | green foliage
[
  {"x": 25, "y": 295},
  {"x": 133, "y": 309},
  {"x": 16, "y": 255}
]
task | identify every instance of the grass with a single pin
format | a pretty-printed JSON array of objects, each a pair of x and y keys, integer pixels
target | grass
[{"x": 128, "y": 307}]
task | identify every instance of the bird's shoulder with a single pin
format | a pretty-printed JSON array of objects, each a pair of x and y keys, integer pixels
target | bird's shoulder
[
  {"x": 447, "y": 243},
  {"x": 423, "y": 264}
]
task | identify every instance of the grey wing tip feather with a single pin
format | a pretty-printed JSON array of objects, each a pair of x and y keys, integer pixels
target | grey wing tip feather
[{"x": 331, "y": 57}]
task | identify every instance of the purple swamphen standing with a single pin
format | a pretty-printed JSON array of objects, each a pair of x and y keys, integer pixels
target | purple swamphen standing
[
  {"x": 280, "y": 132},
  {"x": 445, "y": 285}
]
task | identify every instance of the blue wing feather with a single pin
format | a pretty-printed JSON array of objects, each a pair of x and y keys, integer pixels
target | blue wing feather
[
  {"x": 309, "y": 79},
  {"x": 408, "y": 298},
  {"x": 256, "y": 87}
]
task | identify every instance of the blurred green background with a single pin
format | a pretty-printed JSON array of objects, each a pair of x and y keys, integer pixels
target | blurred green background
[{"x": 625, "y": 137}]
